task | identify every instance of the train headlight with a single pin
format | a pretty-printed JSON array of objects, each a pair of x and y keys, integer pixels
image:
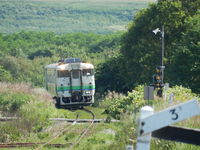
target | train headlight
[
  {"x": 88, "y": 92},
  {"x": 62, "y": 67}
]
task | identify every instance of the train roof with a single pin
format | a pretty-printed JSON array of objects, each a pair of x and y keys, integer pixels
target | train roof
[
  {"x": 51, "y": 66},
  {"x": 71, "y": 60},
  {"x": 69, "y": 66}
]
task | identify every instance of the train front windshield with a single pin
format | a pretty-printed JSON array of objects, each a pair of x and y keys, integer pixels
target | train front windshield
[
  {"x": 88, "y": 72},
  {"x": 63, "y": 73},
  {"x": 75, "y": 73}
]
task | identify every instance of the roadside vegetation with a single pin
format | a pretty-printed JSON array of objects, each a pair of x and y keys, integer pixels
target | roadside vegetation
[
  {"x": 34, "y": 107},
  {"x": 126, "y": 108},
  {"x": 31, "y": 105}
]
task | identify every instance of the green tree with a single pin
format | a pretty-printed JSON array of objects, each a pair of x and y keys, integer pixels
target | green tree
[
  {"x": 185, "y": 63},
  {"x": 141, "y": 48},
  {"x": 108, "y": 76}
]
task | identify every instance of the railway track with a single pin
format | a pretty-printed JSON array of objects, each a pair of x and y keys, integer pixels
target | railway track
[
  {"x": 14, "y": 145},
  {"x": 42, "y": 144},
  {"x": 70, "y": 145},
  {"x": 60, "y": 133},
  {"x": 63, "y": 119},
  {"x": 82, "y": 135},
  {"x": 85, "y": 131}
]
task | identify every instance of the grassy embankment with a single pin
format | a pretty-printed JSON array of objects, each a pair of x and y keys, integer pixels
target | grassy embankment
[
  {"x": 34, "y": 106},
  {"x": 127, "y": 108}
]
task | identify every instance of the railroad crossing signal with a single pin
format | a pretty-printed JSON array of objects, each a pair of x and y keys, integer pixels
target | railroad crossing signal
[
  {"x": 150, "y": 122},
  {"x": 158, "y": 80}
]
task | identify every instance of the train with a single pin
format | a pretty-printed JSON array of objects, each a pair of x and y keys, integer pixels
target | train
[{"x": 71, "y": 82}]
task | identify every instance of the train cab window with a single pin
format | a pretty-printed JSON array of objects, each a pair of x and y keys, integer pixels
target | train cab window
[
  {"x": 63, "y": 73},
  {"x": 75, "y": 74},
  {"x": 88, "y": 72}
]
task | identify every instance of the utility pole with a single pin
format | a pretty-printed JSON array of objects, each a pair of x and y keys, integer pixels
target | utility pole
[
  {"x": 162, "y": 67},
  {"x": 159, "y": 76}
]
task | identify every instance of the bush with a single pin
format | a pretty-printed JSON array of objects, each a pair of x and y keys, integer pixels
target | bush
[
  {"x": 115, "y": 103},
  {"x": 182, "y": 94},
  {"x": 32, "y": 105},
  {"x": 9, "y": 132},
  {"x": 12, "y": 102},
  {"x": 127, "y": 133},
  {"x": 35, "y": 116},
  {"x": 127, "y": 107}
]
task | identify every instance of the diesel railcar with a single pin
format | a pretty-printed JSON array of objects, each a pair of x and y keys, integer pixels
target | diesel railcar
[{"x": 71, "y": 82}]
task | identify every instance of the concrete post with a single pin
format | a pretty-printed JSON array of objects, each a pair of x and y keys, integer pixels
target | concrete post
[
  {"x": 148, "y": 93},
  {"x": 171, "y": 98},
  {"x": 143, "y": 141}
]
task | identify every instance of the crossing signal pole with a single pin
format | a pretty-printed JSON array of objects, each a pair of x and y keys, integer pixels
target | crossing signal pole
[
  {"x": 162, "y": 67},
  {"x": 158, "y": 78}
]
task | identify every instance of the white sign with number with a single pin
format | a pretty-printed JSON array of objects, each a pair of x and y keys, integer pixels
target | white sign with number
[{"x": 168, "y": 116}]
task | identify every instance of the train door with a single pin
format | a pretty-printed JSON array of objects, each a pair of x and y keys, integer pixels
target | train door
[
  {"x": 63, "y": 84},
  {"x": 76, "y": 85},
  {"x": 88, "y": 85}
]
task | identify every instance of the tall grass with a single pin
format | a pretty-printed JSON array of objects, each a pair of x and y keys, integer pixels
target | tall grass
[
  {"x": 33, "y": 106},
  {"x": 39, "y": 93},
  {"x": 127, "y": 134}
]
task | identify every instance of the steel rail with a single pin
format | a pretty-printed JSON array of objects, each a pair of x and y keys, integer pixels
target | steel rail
[
  {"x": 13, "y": 145},
  {"x": 63, "y": 130},
  {"x": 63, "y": 119},
  {"x": 86, "y": 130}
]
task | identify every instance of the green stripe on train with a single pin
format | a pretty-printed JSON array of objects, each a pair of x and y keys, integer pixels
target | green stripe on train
[{"x": 65, "y": 88}]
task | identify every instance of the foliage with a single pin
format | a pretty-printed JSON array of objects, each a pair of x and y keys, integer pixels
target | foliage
[
  {"x": 141, "y": 54},
  {"x": 44, "y": 48},
  {"x": 181, "y": 93},
  {"x": 5, "y": 75},
  {"x": 108, "y": 76},
  {"x": 113, "y": 104},
  {"x": 127, "y": 133},
  {"x": 9, "y": 132},
  {"x": 117, "y": 104},
  {"x": 185, "y": 65},
  {"x": 46, "y": 44},
  {"x": 162, "y": 144},
  {"x": 12, "y": 102},
  {"x": 36, "y": 117},
  {"x": 66, "y": 16},
  {"x": 140, "y": 48},
  {"x": 34, "y": 107},
  {"x": 30, "y": 105},
  {"x": 24, "y": 70}
]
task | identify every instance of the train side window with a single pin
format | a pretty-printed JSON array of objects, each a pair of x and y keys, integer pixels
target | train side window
[
  {"x": 50, "y": 76},
  {"x": 88, "y": 72},
  {"x": 63, "y": 73},
  {"x": 75, "y": 74}
]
